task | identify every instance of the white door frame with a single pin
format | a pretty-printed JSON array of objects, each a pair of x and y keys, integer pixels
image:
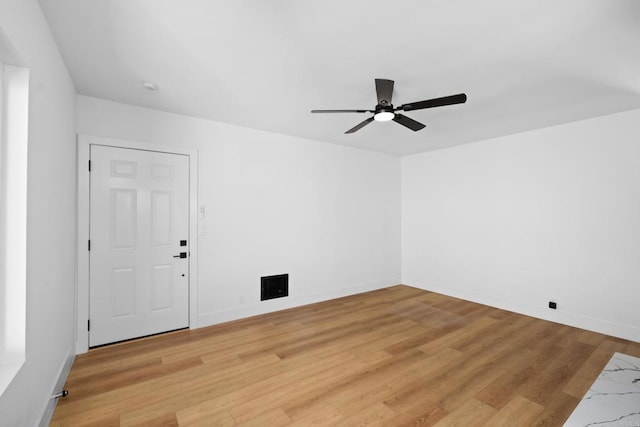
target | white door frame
[{"x": 82, "y": 281}]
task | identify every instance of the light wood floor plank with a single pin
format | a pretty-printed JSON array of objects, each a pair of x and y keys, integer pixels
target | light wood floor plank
[
  {"x": 518, "y": 412},
  {"x": 471, "y": 413},
  {"x": 320, "y": 416},
  {"x": 392, "y": 357}
]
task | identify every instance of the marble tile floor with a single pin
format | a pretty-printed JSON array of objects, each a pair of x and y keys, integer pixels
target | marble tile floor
[{"x": 613, "y": 399}]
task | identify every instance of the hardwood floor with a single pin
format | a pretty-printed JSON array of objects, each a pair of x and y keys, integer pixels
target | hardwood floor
[{"x": 396, "y": 356}]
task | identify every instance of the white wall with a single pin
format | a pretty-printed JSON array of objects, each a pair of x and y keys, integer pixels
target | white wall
[
  {"x": 513, "y": 222},
  {"x": 51, "y": 230},
  {"x": 328, "y": 215}
]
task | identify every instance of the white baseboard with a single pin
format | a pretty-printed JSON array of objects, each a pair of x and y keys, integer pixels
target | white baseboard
[
  {"x": 61, "y": 378},
  {"x": 269, "y": 306},
  {"x": 595, "y": 324}
]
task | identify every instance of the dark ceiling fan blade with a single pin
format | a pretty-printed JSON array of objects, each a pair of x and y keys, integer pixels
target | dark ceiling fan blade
[
  {"x": 406, "y": 121},
  {"x": 342, "y": 111},
  {"x": 384, "y": 89},
  {"x": 360, "y": 125},
  {"x": 460, "y": 98}
]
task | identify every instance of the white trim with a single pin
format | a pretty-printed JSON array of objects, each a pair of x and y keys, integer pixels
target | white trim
[
  {"x": 57, "y": 387},
  {"x": 595, "y": 324},
  {"x": 14, "y": 142},
  {"x": 292, "y": 301},
  {"x": 84, "y": 143}
]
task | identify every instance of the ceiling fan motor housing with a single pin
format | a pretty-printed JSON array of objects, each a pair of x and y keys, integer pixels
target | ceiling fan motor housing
[
  {"x": 384, "y": 113},
  {"x": 384, "y": 108}
]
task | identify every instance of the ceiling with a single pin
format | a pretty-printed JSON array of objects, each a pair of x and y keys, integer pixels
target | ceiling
[{"x": 261, "y": 64}]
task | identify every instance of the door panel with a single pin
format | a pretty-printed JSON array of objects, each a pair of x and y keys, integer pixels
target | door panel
[
  {"x": 161, "y": 218},
  {"x": 122, "y": 293},
  {"x": 123, "y": 219},
  {"x": 139, "y": 213},
  {"x": 161, "y": 290}
]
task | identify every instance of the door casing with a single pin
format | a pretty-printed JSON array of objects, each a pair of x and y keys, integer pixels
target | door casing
[{"x": 82, "y": 281}]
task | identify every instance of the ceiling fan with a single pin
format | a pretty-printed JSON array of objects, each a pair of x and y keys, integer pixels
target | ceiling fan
[{"x": 385, "y": 110}]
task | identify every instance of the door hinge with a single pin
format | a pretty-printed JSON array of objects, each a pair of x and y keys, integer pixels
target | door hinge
[
  {"x": 89, "y": 165},
  {"x": 88, "y": 245},
  {"x": 89, "y": 325}
]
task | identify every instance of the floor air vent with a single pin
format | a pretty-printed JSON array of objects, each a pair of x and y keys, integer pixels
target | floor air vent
[{"x": 274, "y": 286}]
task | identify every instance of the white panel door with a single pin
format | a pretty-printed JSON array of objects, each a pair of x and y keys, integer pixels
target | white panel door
[{"x": 139, "y": 225}]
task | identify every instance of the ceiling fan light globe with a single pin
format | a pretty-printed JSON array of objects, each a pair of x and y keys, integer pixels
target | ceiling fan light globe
[{"x": 384, "y": 116}]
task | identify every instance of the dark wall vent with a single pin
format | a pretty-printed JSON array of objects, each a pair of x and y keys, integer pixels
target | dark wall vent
[{"x": 274, "y": 286}]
